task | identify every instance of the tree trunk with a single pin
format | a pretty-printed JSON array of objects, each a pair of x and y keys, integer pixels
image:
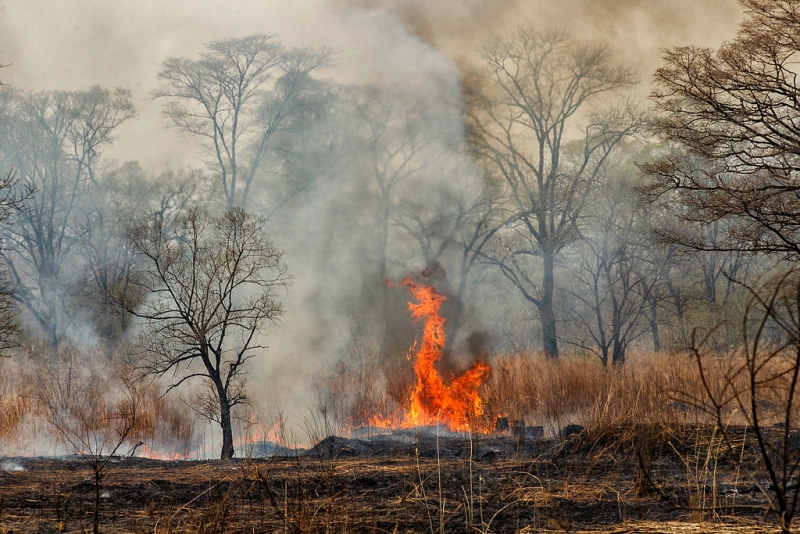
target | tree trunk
[
  {"x": 708, "y": 280},
  {"x": 618, "y": 353},
  {"x": 51, "y": 326},
  {"x": 654, "y": 326},
  {"x": 676, "y": 298},
  {"x": 97, "y": 483},
  {"x": 383, "y": 260},
  {"x": 546, "y": 314},
  {"x": 618, "y": 345},
  {"x": 225, "y": 424}
]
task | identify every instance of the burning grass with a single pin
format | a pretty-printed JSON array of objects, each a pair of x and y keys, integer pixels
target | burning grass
[
  {"x": 457, "y": 404},
  {"x": 653, "y": 389},
  {"x": 525, "y": 389}
]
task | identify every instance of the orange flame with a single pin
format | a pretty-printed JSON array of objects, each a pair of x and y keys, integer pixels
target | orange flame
[
  {"x": 456, "y": 405},
  {"x": 146, "y": 451},
  {"x": 257, "y": 431}
]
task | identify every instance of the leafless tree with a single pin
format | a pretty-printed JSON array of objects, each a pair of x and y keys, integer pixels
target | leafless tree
[
  {"x": 11, "y": 200},
  {"x": 392, "y": 147},
  {"x": 732, "y": 114},
  {"x": 54, "y": 141},
  {"x": 615, "y": 269},
  {"x": 125, "y": 196},
  {"x": 451, "y": 221},
  {"x": 760, "y": 384},
  {"x": 213, "y": 288},
  {"x": 307, "y": 149},
  {"x": 530, "y": 124},
  {"x": 94, "y": 412},
  {"x": 397, "y": 148},
  {"x": 235, "y": 98}
]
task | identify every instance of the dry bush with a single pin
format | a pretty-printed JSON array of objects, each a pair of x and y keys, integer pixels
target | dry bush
[
  {"x": 355, "y": 393},
  {"x": 642, "y": 410},
  {"x": 163, "y": 422},
  {"x": 759, "y": 387},
  {"x": 652, "y": 389},
  {"x": 90, "y": 406},
  {"x": 81, "y": 387},
  {"x": 727, "y": 381}
]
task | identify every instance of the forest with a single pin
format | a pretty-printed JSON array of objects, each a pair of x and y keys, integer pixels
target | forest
[{"x": 527, "y": 254}]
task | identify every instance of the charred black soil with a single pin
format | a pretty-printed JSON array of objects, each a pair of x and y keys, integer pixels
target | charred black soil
[{"x": 620, "y": 481}]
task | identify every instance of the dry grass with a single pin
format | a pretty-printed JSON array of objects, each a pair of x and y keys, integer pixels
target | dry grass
[
  {"x": 646, "y": 448},
  {"x": 37, "y": 390},
  {"x": 355, "y": 392},
  {"x": 15, "y": 403},
  {"x": 392, "y": 493},
  {"x": 651, "y": 389}
]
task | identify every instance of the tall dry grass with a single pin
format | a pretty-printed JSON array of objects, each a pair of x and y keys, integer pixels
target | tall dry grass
[
  {"x": 15, "y": 400},
  {"x": 652, "y": 388},
  {"x": 356, "y": 391},
  {"x": 572, "y": 390}
]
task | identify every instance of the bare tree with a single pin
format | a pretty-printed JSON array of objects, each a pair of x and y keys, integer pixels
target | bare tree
[
  {"x": 235, "y": 98},
  {"x": 397, "y": 148},
  {"x": 54, "y": 141},
  {"x": 11, "y": 200},
  {"x": 451, "y": 221},
  {"x": 125, "y": 196},
  {"x": 732, "y": 114},
  {"x": 530, "y": 125},
  {"x": 213, "y": 288},
  {"x": 392, "y": 147},
  {"x": 759, "y": 384},
  {"x": 98, "y": 429},
  {"x": 307, "y": 148},
  {"x": 614, "y": 268}
]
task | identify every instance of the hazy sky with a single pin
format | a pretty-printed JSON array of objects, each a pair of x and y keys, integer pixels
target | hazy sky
[{"x": 72, "y": 44}]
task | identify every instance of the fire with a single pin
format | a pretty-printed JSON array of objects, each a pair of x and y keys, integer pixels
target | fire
[
  {"x": 256, "y": 431},
  {"x": 379, "y": 421},
  {"x": 146, "y": 451},
  {"x": 457, "y": 404}
]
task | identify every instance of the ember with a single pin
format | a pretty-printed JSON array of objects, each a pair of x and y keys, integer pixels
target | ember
[{"x": 432, "y": 401}]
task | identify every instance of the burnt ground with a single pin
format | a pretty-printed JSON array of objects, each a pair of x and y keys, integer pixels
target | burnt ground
[{"x": 621, "y": 481}]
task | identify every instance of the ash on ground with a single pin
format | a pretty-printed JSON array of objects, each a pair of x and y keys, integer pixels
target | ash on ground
[{"x": 517, "y": 440}]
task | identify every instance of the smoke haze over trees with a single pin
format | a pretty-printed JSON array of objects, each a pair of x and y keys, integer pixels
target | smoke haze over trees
[{"x": 520, "y": 171}]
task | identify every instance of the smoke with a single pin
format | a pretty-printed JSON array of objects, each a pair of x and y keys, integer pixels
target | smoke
[
  {"x": 56, "y": 45},
  {"x": 635, "y": 30},
  {"x": 9, "y": 466},
  {"x": 413, "y": 51},
  {"x": 449, "y": 21},
  {"x": 416, "y": 51},
  {"x": 330, "y": 233}
]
